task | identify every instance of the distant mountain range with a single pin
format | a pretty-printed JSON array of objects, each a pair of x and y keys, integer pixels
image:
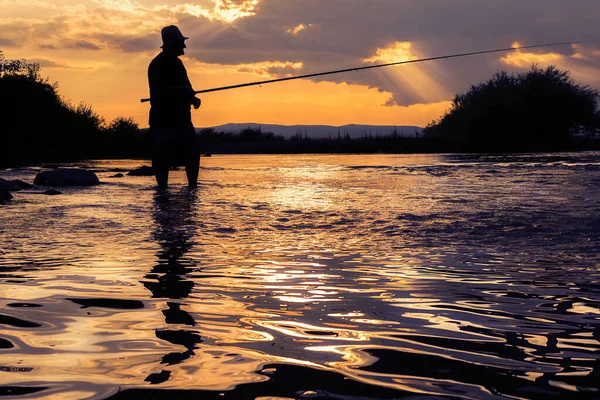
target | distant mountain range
[{"x": 322, "y": 131}]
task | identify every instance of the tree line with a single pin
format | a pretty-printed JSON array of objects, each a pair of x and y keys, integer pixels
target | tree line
[
  {"x": 37, "y": 124},
  {"x": 542, "y": 109}
]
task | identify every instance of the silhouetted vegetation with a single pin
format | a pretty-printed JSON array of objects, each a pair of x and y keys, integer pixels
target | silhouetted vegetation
[
  {"x": 210, "y": 135},
  {"x": 541, "y": 109},
  {"x": 37, "y": 124},
  {"x": 252, "y": 140}
]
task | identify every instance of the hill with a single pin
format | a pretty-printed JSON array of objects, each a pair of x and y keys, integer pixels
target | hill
[{"x": 322, "y": 131}]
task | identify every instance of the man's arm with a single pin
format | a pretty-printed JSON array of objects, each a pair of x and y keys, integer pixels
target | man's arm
[{"x": 169, "y": 82}]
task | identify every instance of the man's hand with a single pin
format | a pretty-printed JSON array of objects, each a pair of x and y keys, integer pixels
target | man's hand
[{"x": 196, "y": 103}]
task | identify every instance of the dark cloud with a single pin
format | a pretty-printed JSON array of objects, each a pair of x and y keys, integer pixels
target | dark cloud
[
  {"x": 282, "y": 71},
  {"x": 48, "y": 46},
  {"x": 82, "y": 44},
  {"x": 44, "y": 63},
  {"x": 70, "y": 44},
  {"x": 140, "y": 44},
  {"x": 4, "y": 42}
]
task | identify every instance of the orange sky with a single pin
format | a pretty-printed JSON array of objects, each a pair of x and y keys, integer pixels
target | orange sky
[{"x": 98, "y": 51}]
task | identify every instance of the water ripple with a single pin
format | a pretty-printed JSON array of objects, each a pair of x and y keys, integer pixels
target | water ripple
[{"x": 471, "y": 277}]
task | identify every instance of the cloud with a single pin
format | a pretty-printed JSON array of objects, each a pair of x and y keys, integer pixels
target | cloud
[
  {"x": 82, "y": 44},
  {"x": 7, "y": 42},
  {"x": 278, "y": 38},
  {"x": 44, "y": 63},
  {"x": 523, "y": 59},
  {"x": 297, "y": 29},
  {"x": 337, "y": 38}
]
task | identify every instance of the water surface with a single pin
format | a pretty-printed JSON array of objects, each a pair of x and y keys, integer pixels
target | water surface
[{"x": 308, "y": 276}]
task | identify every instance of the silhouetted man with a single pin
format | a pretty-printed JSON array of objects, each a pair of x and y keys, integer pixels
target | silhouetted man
[{"x": 173, "y": 135}]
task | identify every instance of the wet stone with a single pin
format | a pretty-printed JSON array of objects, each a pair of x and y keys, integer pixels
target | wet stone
[
  {"x": 142, "y": 171},
  {"x": 66, "y": 177},
  {"x": 5, "y": 196},
  {"x": 14, "y": 185}
]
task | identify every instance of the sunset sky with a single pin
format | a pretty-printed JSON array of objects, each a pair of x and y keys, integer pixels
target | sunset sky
[{"x": 98, "y": 51}]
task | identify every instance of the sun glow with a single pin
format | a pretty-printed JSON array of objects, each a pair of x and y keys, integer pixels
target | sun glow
[
  {"x": 297, "y": 29},
  {"x": 267, "y": 68},
  {"x": 524, "y": 59},
  {"x": 416, "y": 77},
  {"x": 398, "y": 52}
]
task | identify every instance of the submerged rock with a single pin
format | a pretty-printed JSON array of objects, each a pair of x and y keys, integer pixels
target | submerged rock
[
  {"x": 66, "y": 177},
  {"x": 119, "y": 175},
  {"x": 14, "y": 185},
  {"x": 5, "y": 196},
  {"x": 52, "y": 192},
  {"x": 142, "y": 171},
  {"x": 5, "y": 185},
  {"x": 21, "y": 184}
]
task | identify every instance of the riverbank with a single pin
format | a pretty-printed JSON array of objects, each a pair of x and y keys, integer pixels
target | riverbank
[{"x": 140, "y": 148}]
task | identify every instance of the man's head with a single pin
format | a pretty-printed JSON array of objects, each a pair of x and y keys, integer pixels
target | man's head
[{"x": 173, "y": 40}]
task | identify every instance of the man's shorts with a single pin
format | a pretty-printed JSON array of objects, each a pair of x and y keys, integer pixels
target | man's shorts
[{"x": 174, "y": 146}]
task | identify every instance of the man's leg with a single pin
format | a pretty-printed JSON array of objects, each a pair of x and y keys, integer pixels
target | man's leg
[
  {"x": 192, "y": 165},
  {"x": 191, "y": 156},
  {"x": 161, "y": 155},
  {"x": 161, "y": 172}
]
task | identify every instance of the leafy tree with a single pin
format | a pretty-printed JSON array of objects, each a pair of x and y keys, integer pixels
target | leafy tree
[
  {"x": 37, "y": 123},
  {"x": 532, "y": 110},
  {"x": 123, "y": 125}
]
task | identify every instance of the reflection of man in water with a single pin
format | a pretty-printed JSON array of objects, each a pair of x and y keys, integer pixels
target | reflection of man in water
[
  {"x": 171, "y": 93},
  {"x": 169, "y": 279}
]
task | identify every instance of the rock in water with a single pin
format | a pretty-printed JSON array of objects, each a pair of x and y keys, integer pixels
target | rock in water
[
  {"x": 52, "y": 192},
  {"x": 14, "y": 185},
  {"x": 5, "y": 185},
  {"x": 5, "y": 196},
  {"x": 66, "y": 177},
  {"x": 21, "y": 185},
  {"x": 142, "y": 171}
]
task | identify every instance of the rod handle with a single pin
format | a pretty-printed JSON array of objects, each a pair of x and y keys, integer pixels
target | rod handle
[{"x": 145, "y": 100}]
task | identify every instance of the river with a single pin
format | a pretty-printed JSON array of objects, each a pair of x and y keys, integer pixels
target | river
[{"x": 307, "y": 276}]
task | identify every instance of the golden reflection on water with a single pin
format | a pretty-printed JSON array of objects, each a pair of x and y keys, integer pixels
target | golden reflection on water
[{"x": 405, "y": 273}]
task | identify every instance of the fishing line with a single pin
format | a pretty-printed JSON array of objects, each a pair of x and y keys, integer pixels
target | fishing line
[{"x": 340, "y": 71}]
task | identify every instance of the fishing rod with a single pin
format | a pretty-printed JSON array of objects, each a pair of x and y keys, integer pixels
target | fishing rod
[{"x": 339, "y": 71}]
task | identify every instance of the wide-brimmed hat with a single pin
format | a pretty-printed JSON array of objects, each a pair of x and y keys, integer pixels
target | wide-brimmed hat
[{"x": 171, "y": 35}]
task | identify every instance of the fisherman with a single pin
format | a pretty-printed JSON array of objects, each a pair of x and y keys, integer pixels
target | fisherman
[{"x": 174, "y": 139}]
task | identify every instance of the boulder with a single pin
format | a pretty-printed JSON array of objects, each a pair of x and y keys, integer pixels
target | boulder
[
  {"x": 21, "y": 185},
  {"x": 66, "y": 177},
  {"x": 5, "y": 196},
  {"x": 14, "y": 185},
  {"x": 5, "y": 185},
  {"x": 142, "y": 171}
]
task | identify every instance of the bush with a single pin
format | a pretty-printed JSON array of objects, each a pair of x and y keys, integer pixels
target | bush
[
  {"x": 37, "y": 124},
  {"x": 533, "y": 110}
]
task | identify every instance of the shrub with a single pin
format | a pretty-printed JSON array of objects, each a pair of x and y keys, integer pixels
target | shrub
[{"x": 531, "y": 110}]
